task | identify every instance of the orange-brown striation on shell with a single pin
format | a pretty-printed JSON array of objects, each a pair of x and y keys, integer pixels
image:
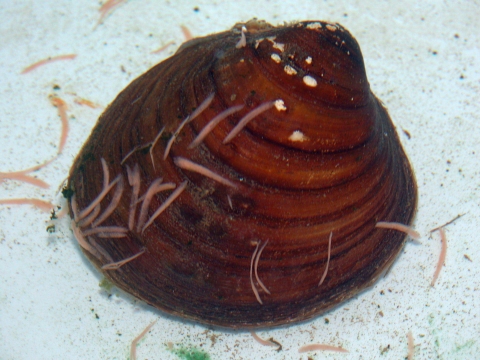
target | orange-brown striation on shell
[{"x": 243, "y": 240}]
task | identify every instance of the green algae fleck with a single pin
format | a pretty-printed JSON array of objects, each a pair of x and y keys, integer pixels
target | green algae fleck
[{"x": 185, "y": 353}]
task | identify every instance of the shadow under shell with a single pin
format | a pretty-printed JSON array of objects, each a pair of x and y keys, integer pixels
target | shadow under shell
[{"x": 318, "y": 156}]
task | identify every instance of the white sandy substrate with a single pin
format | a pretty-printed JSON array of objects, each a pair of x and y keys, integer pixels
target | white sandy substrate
[{"x": 422, "y": 61}]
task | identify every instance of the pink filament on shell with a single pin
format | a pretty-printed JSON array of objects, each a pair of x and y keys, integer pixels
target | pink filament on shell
[
  {"x": 98, "y": 199},
  {"x": 113, "y": 203},
  {"x": 105, "y": 229},
  {"x": 213, "y": 123},
  {"x": 256, "y": 267},
  {"x": 253, "y": 269},
  {"x": 134, "y": 181},
  {"x": 136, "y": 148},
  {"x": 81, "y": 238},
  {"x": 89, "y": 219},
  {"x": 112, "y": 235},
  {"x": 186, "y": 164},
  {"x": 167, "y": 203},
  {"x": 118, "y": 264},
  {"x": 106, "y": 173},
  {"x": 328, "y": 260},
  {"x": 155, "y": 143},
  {"x": 154, "y": 188},
  {"x": 189, "y": 118},
  {"x": 246, "y": 119}
]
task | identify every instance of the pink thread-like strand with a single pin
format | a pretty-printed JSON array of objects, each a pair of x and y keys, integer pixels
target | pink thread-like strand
[
  {"x": 442, "y": 256},
  {"x": 98, "y": 199},
  {"x": 321, "y": 347},
  {"x": 81, "y": 238},
  {"x": 154, "y": 188},
  {"x": 257, "y": 259},
  {"x": 134, "y": 181},
  {"x": 22, "y": 175},
  {"x": 155, "y": 143},
  {"x": 411, "y": 346},
  {"x": 186, "y": 32},
  {"x": 133, "y": 346},
  {"x": 41, "y": 204},
  {"x": 89, "y": 219},
  {"x": 328, "y": 259},
  {"x": 48, "y": 61},
  {"x": 74, "y": 205},
  {"x": 162, "y": 48},
  {"x": 90, "y": 104},
  {"x": 246, "y": 119},
  {"x": 111, "y": 235},
  {"x": 399, "y": 227},
  {"x": 189, "y": 118},
  {"x": 62, "y": 112},
  {"x": 254, "y": 288},
  {"x": 25, "y": 178},
  {"x": 105, "y": 229},
  {"x": 261, "y": 341},
  {"x": 113, "y": 203},
  {"x": 118, "y": 264},
  {"x": 213, "y": 123},
  {"x": 186, "y": 164},
  {"x": 173, "y": 196},
  {"x": 106, "y": 173},
  {"x": 136, "y": 148},
  {"x": 107, "y": 8}
]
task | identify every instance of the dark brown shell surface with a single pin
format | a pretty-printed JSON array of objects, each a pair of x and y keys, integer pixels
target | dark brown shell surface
[{"x": 320, "y": 156}]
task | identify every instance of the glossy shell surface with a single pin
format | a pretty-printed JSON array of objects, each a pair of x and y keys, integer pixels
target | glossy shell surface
[{"x": 245, "y": 242}]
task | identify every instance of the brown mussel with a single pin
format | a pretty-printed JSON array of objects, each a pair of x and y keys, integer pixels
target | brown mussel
[{"x": 238, "y": 183}]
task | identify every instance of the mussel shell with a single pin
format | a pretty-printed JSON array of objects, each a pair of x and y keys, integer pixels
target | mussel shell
[{"x": 345, "y": 172}]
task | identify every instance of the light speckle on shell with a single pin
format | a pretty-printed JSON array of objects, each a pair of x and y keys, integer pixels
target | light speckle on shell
[{"x": 192, "y": 175}]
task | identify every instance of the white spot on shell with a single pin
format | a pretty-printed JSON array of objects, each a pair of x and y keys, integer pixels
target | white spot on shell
[
  {"x": 243, "y": 40},
  {"x": 314, "y": 26},
  {"x": 308, "y": 60},
  {"x": 276, "y": 45},
  {"x": 309, "y": 81},
  {"x": 289, "y": 70},
  {"x": 280, "y": 105},
  {"x": 331, "y": 27},
  {"x": 297, "y": 135},
  {"x": 276, "y": 58},
  {"x": 279, "y": 46}
]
